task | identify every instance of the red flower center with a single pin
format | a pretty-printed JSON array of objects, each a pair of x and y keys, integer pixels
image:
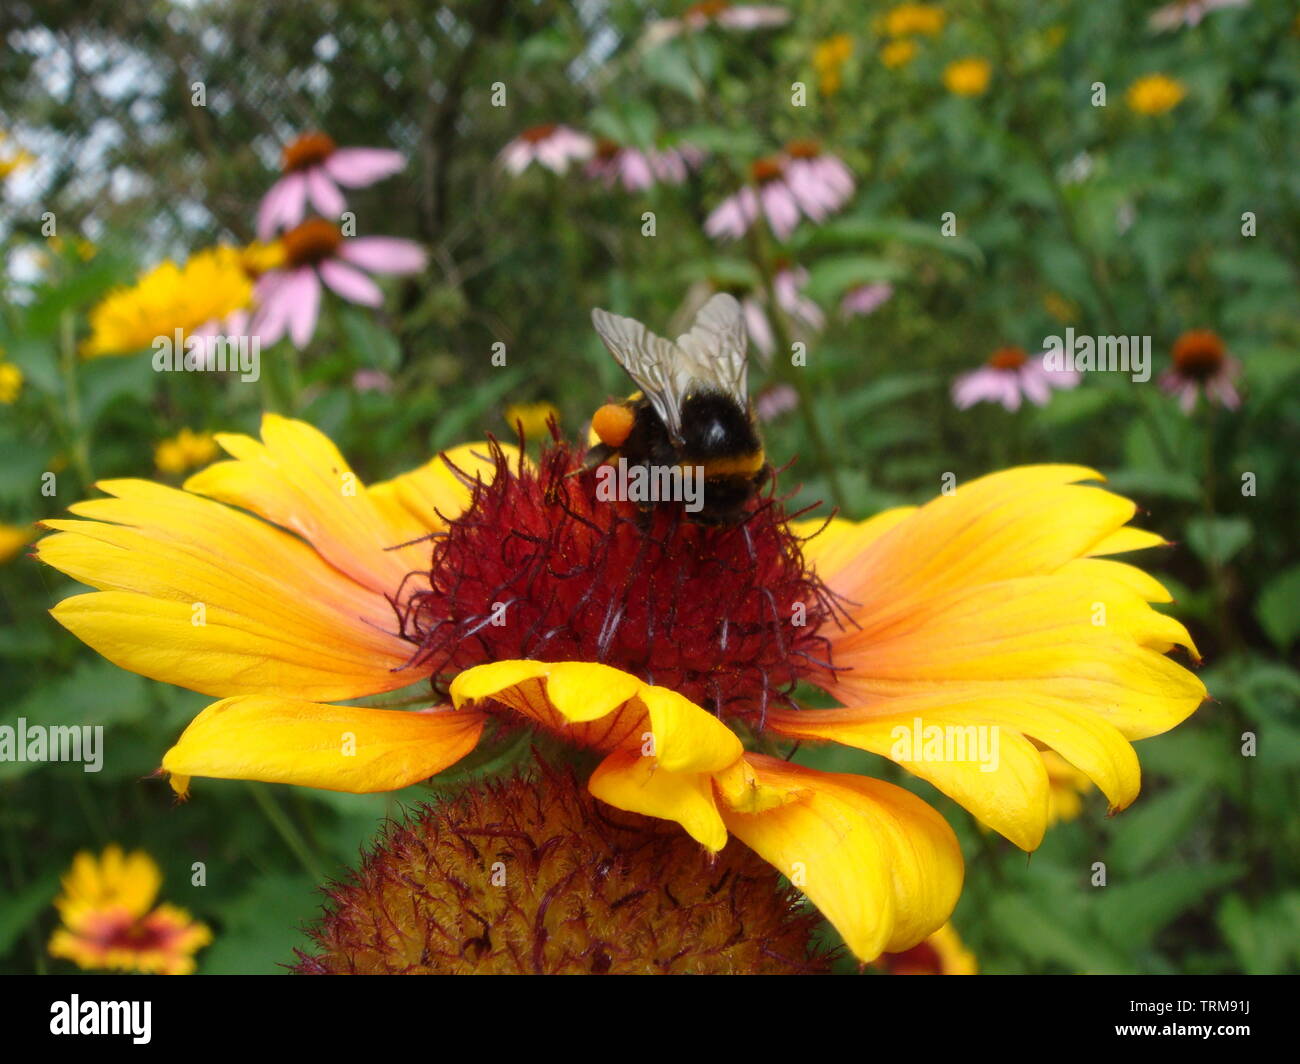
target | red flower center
[
  {"x": 1008, "y": 358},
  {"x": 921, "y": 959},
  {"x": 803, "y": 149},
  {"x": 311, "y": 149},
  {"x": 535, "y": 134},
  {"x": 538, "y": 567},
  {"x": 707, "y": 9},
  {"x": 312, "y": 242},
  {"x": 768, "y": 169},
  {"x": 606, "y": 148},
  {"x": 1199, "y": 354}
]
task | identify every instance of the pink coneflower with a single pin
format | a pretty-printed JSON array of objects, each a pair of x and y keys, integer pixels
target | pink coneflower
[
  {"x": 775, "y": 400},
  {"x": 638, "y": 169},
  {"x": 552, "y": 146},
  {"x": 1009, "y": 374},
  {"x": 1188, "y": 12},
  {"x": 1201, "y": 361},
  {"x": 731, "y": 218},
  {"x": 788, "y": 282},
  {"x": 821, "y": 183},
  {"x": 719, "y": 13},
  {"x": 801, "y": 180},
  {"x": 315, "y": 251},
  {"x": 314, "y": 167},
  {"x": 865, "y": 299}
]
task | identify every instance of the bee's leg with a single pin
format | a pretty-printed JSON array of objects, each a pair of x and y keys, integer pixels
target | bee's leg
[{"x": 595, "y": 456}]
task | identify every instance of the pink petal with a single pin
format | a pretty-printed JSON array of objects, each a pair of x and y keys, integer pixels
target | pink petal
[
  {"x": 303, "y": 301},
  {"x": 325, "y": 196},
  {"x": 269, "y": 209},
  {"x": 292, "y": 205},
  {"x": 351, "y": 283},
  {"x": 358, "y": 167},
  {"x": 384, "y": 254}
]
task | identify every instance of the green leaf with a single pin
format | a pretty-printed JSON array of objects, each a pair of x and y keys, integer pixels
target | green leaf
[
  {"x": 1218, "y": 539},
  {"x": 856, "y": 231},
  {"x": 370, "y": 343},
  {"x": 830, "y": 278},
  {"x": 261, "y": 930},
  {"x": 1278, "y": 608},
  {"x": 1132, "y": 913},
  {"x": 17, "y": 911},
  {"x": 1153, "y": 827}
]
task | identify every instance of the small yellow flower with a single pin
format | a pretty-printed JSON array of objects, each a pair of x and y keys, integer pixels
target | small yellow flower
[
  {"x": 967, "y": 77},
  {"x": 184, "y": 451},
  {"x": 1062, "y": 309},
  {"x": 15, "y": 162},
  {"x": 108, "y": 922},
  {"x": 898, "y": 53},
  {"x": 13, "y": 538},
  {"x": 829, "y": 58},
  {"x": 257, "y": 258},
  {"x": 209, "y": 286},
  {"x": 533, "y": 417},
  {"x": 1155, "y": 94},
  {"x": 906, "y": 20},
  {"x": 11, "y": 383}
]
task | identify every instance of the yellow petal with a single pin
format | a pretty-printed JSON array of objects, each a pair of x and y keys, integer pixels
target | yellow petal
[
  {"x": 1126, "y": 539},
  {"x": 881, "y": 865},
  {"x": 976, "y": 748},
  {"x": 336, "y": 748},
  {"x": 602, "y": 707},
  {"x": 297, "y": 479},
  {"x": 240, "y": 606},
  {"x": 626, "y": 780},
  {"x": 829, "y": 546},
  {"x": 1084, "y": 639},
  {"x": 1020, "y": 522}
]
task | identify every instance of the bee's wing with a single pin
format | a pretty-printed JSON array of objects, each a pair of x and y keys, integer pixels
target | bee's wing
[
  {"x": 654, "y": 363},
  {"x": 716, "y": 346}
]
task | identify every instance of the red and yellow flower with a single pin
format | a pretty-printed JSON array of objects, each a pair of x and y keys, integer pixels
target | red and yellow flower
[
  {"x": 658, "y": 644},
  {"x": 110, "y": 922}
]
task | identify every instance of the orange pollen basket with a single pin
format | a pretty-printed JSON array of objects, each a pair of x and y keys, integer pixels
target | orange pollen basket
[
  {"x": 613, "y": 424},
  {"x": 311, "y": 149},
  {"x": 314, "y": 241}
]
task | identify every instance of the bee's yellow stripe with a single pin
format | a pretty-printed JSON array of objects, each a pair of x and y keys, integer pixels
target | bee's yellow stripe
[{"x": 742, "y": 464}]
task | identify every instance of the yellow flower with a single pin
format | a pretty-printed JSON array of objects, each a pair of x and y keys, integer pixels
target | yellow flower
[
  {"x": 829, "y": 58},
  {"x": 943, "y": 953},
  {"x": 257, "y": 258},
  {"x": 13, "y": 538},
  {"x": 211, "y": 285},
  {"x": 533, "y": 418},
  {"x": 15, "y": 162},
  {"x": 522, "y": 595},
  {"x": 11, "y": 383},
  {"x": 1155, "y": 94},
  {"x": 109, "y": 921},
  {"x": 184, "y": 451},
  {"x": 905, "y": 20},
  {"x": 1062, "y": 309},
  {"x": 898, "y": 53},
  {"x": 967, "y": 77}
]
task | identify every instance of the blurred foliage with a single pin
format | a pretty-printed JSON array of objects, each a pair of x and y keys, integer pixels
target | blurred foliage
[{"x": 1067, "y": 214}]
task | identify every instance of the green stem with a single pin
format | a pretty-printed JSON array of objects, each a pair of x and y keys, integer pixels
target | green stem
[
  {"x": 72, "y": 400},
  {"x": 284, "y": 827}
]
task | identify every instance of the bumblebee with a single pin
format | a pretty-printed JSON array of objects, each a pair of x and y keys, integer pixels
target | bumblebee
[{"x": 693, "y": 411}]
